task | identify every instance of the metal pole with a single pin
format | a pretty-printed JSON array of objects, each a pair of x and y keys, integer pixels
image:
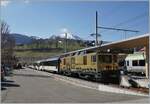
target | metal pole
[
  {"x": 96, "y": 43},
  {"x": 65, "y": 42},
  {"x": 125, "y": 33}
]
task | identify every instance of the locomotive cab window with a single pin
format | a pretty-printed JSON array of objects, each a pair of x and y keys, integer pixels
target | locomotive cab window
[{"x": 105, "y": 58}]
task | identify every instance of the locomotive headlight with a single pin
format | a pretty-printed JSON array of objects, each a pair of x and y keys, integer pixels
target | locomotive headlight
[{"x": 108, "y": 50}]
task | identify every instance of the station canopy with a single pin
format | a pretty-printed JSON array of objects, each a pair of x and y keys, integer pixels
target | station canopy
[
  {"x": 52, "y": 59},
  {"x": 142, "y": 40},
  {"x": 137, "y": 41}
]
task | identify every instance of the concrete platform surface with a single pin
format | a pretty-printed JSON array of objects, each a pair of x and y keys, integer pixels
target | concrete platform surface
[{"x": 30, "y": 86}]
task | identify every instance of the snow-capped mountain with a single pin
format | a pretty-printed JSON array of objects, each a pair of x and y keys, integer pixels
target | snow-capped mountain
[
  {"x": 69, "y": 36},
  {"x": 35, "y": 37}
]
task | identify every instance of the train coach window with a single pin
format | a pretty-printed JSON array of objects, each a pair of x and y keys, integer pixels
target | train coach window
[
  {"x": 73, "y": 60},
  {"x": 93, "y": 58},
  {"x": 135, "y": 63},
  {"x": 85, "y": 60},
  {"x": 141, "y": 62},
  {"x": 64, "y": 62},
  {"x": 127, "y": 63},
  {"x": 49, "y": 63},
  {"x": 53, "y": 63}
]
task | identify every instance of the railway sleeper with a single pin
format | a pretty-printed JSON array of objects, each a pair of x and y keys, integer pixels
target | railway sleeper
[{"x": 75, "y": 74}]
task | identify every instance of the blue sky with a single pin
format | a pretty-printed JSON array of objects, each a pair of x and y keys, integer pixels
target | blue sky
[{"x": 45, "y": 18}]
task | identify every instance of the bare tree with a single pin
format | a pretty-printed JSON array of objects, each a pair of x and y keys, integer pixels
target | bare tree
[
  {"x": 7, "y": 44},
  {"x": 4, "y": 28}
]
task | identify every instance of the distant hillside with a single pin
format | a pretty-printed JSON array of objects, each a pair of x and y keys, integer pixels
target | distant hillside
[
  {"x": 22, "y": 39},
  {"x": 45, "y": 48}
]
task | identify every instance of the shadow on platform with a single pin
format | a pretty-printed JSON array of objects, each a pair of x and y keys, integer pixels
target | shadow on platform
[
  {"x": 8, "y": 83},
  {"x": 32, "y": 75}
]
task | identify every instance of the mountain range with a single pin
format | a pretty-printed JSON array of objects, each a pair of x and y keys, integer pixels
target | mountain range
[{"x": 24, "y": 39}]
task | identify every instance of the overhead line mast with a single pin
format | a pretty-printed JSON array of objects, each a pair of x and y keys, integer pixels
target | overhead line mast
[
  {"x": 96, "y": 28},
  {"x": 108, "y": 28}
]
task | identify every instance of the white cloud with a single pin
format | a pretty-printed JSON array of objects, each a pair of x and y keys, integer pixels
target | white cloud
[
  {"x": 64, "y": 30},
  {"x": 26, "y": 1},
  {"x": 4, "y": 2}
]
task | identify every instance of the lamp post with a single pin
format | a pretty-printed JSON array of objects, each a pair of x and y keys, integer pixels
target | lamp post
[{"x": 65, "y": 42}]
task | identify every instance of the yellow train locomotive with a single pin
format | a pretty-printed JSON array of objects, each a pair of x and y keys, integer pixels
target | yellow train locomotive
[{"x": 91, "y": 64}]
